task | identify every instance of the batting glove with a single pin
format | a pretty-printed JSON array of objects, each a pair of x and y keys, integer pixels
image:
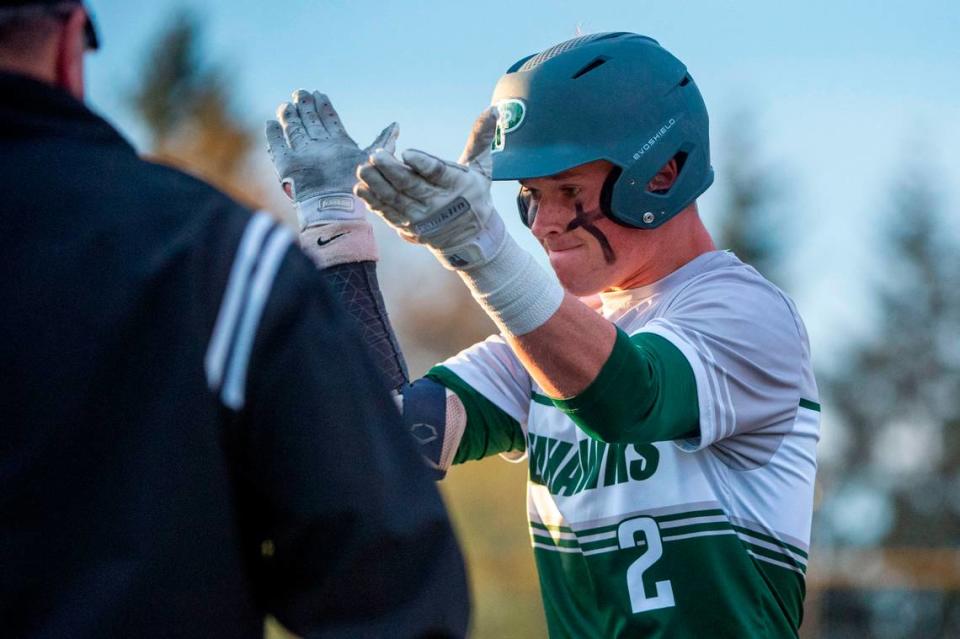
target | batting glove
[
  {"x": 316, "y": 161},
  {"x": 448, "y": 207}
]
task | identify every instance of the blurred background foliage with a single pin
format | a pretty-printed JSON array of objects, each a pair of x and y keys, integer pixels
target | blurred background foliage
[
  {"x": 186, "y": 105},
  {"x": 887, "y": 521}
]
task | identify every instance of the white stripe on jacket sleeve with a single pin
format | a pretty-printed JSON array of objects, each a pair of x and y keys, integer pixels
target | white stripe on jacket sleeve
[{"x": 261, "y": 250}]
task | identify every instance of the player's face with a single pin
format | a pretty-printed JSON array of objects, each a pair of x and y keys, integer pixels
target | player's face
[{"x": 588, "y": 251}]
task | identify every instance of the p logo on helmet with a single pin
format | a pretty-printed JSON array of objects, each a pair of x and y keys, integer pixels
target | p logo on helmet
[{"x": 512, "y": 111}]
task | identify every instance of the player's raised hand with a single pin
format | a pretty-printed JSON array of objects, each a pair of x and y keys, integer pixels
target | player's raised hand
[
  {"x": 445, "y": 205},
  {"x": 316, "y": 159}
]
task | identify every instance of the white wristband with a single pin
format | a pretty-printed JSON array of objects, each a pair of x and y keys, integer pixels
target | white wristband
[
  {"x": 330, "y": 207},
  {"x": 339, "y": 243},
  {"x": 517, "y": 293}
]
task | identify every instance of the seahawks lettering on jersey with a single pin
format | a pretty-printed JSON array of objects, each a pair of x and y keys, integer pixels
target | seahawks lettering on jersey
[
  {"x": 566, "y": 469},
  {"x": 705, "y": 536}
]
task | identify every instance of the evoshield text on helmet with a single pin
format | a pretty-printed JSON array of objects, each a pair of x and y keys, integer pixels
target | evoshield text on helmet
[{"x": 619, "y": 97}]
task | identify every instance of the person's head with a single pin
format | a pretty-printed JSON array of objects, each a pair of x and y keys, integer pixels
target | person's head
[
  {"x": 46, "y": 39},
  {"x": 608, "y": 135},
  {"x": 589, "y": 250}
]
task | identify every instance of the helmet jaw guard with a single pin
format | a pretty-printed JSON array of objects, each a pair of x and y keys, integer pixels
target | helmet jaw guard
[
  {"x": 618, "y": 97},
  {"x": 633, "y": 204}
]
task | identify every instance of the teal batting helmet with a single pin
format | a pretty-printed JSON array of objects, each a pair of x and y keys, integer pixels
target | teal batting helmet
[{"x": 619, "y": 97}]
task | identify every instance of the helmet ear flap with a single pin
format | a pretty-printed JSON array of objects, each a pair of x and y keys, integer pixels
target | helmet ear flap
[
  {"x": 606, "y": 195},
  {"x": 634, "y": 206}
]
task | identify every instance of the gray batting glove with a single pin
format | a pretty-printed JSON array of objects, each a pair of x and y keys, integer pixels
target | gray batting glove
[
  {"x": 316, "y": 161},
  {"x": 447, "y": 207},
  {"x": 444, "y": 205}
]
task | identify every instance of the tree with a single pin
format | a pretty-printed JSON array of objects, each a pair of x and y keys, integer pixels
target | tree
[
  {"x": 189, "y": 110},
  {"x": 751, "y": 219},
  {"x": 898, "y": 396},
  {"x": 903, "y": 382}
]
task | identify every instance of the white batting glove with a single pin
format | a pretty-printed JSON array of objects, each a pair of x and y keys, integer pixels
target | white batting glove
[
  {"x": 448, "y": 208},
  {"x": 316, "y": 162}
]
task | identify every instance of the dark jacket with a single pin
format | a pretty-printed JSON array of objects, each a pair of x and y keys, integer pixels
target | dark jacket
[{"x": 191, "y": 434}]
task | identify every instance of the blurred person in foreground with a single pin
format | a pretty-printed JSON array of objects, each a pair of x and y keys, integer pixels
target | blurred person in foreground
[
  {"x": 192, "y": 434},
  {"x": 670, "y": 437}
]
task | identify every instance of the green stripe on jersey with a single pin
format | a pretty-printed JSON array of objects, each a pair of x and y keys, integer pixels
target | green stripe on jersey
[
  {"x": 540, "y": 526},
  {"x": 675, "y": 527},
  {"x": 541, "y": 399},
  {"x": 690, "y": 580},
  {"x": 671, "y": 518},
  {"x": 773, "y": 557},
  {"x": 489, "y": 430},
  {"x": 712, "y": 512},
  {"x": 693, "y": 521},
  {"x": 773, "y": 540},
  {"x": 806, "y": 403}
]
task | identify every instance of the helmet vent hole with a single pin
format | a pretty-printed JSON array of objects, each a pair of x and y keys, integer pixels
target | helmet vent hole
[
  {"x": 685, "y": 81},
  {"x": 590, "y": 66}
]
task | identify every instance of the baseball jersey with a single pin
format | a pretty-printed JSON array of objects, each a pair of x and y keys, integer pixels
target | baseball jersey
[{"x": 703, "y": 535}]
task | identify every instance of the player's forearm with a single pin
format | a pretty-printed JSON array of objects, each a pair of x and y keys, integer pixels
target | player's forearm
[
  {"x": 315, "y": 160},
  {"x": 616, "y": 388},
  {"x": 565, "y": 354},
  {"x": 346, "y": 255},
  {"x": 355, "y": 284}
]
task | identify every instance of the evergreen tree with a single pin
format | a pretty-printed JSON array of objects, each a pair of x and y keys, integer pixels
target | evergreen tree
[
  {"x": 898, "y": 397},
  {"x": 188, "y": 107},
  {"x": 902, "y": 384},
  {"x": 749, "y": 223}
]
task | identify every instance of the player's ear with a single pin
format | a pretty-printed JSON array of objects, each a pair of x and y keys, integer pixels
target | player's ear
[
  {"x": 71, "y": 46},
  {"x": 665, "y": 177}
]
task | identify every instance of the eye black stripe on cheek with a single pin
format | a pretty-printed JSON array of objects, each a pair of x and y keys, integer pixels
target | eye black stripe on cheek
[{"x": 585, "y": 221}]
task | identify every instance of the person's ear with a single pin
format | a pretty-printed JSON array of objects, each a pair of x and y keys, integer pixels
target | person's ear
[
  {"x": 71, "y": 46},
  {"x": 665, "y": 177}
]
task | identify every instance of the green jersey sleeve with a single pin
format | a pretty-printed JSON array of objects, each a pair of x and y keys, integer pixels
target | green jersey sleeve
[{"x": 645, "y": 392}]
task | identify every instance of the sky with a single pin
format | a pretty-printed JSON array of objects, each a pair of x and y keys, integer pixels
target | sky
[{"x": 843, "y": 95}]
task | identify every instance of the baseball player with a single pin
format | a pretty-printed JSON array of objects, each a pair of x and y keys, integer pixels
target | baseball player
[{"x": 671, "y": 437}]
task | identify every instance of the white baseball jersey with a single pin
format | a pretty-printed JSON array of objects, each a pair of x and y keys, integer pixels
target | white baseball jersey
[{"x": 696, "y": 537}]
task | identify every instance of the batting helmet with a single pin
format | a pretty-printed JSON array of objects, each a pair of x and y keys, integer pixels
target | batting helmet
[{"x": 619, "y": 97}]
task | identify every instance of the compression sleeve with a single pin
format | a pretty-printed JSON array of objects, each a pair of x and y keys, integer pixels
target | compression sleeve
[
  {"x": 645, "y": 392},
  {"x": 355, "y": 284},
  {"x": 488, "y": 429}
]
